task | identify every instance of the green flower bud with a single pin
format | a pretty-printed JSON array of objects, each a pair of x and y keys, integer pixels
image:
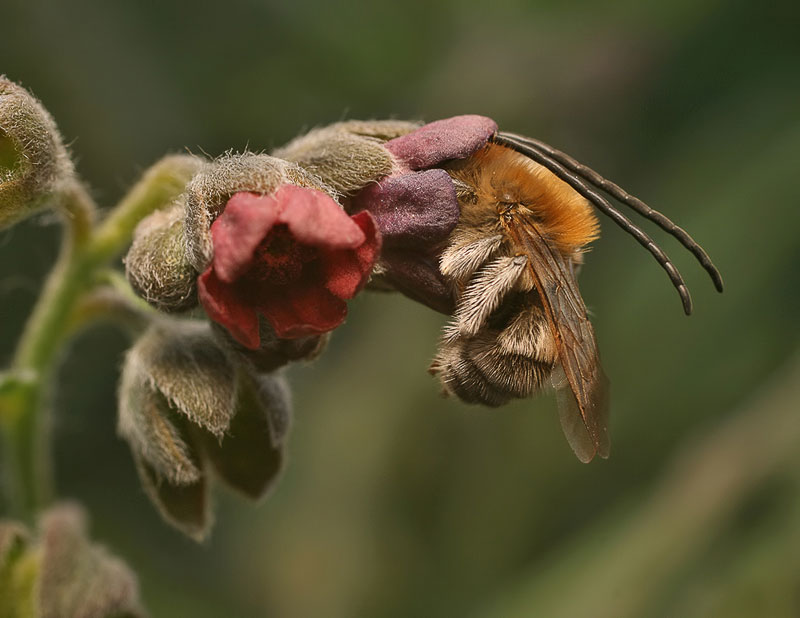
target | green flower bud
[
  {"x": 34, "y": 164},
  {"x": 12, "y": 536},
  {"x": 173, "y": 376},
  {"x": 13, "y": 541},
  {"x": 186, "y": 409},
  {"x": 61, "y": 573},
  {"x": 156, "y": 264},
  {"x": 347, "y": 155}
]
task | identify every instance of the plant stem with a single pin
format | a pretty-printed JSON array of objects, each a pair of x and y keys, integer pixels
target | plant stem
[
  {"x": 41, "y": 338},
  {"x": 25, "y": 429},
  {"x": 159, "y": 186},
  {"x": 85, "y": 251}
]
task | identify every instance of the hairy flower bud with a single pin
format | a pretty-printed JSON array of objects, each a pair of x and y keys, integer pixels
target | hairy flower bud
[
  {"x": 249, "y": 457},
  {"x": 34, "y": 163},
  {"x": 61, "y": 573},
  {"x": 174, "y": 374},
  {"x": 156, "y": 264},
  {"x": 184, "y": 506},
  {"x": 79, "y": 579},
  {"x": 347, "y": 155},
  {"x": 186, "y": 409}
]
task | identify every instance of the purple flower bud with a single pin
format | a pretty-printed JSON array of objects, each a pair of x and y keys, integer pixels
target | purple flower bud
[
  {"x": 417, "y": 210},
  {"x": 434, "y": 143}
]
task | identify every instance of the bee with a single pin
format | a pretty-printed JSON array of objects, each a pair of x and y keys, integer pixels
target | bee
[{"x": 520, "y": 322}]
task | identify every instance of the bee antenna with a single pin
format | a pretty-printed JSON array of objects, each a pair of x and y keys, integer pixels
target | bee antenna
[
  {"x": 614, "y": 190},
  {"x": 577, "y": 183}
]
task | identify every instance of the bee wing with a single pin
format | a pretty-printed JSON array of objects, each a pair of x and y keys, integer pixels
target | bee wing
[
  {"x": 583, "y": 394},
  {"x": 572, "y": 417}
]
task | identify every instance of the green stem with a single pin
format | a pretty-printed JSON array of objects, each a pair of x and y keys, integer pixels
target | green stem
[
  {"x": 40, "y": 338},
  {"x": 113, "y": 300},
  {"x": 86, "y": 249},
  {"x": 159, "y": 186}
]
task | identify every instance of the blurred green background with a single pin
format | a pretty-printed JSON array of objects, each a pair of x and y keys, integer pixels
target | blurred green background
[{"x": 396, "y": 502}]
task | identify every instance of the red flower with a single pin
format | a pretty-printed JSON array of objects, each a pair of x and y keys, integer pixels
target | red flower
[{"x": 293, "y": 256}]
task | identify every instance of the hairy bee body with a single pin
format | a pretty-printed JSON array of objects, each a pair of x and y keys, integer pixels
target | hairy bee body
[
  {"x": 500, "y": 345},
  {"x": 520, "y": 322}
]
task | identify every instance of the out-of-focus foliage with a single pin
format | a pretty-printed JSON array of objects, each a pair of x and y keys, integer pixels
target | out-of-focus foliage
[{"x": 394, "y": 501}]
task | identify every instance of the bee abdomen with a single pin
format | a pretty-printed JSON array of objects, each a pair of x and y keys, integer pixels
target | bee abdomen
[
  {"x": 516, "y": 374},
  {"x": 528, "y": 334},
  {"x": 460, "y": 377},
  {"x": 476, "y": 371}
]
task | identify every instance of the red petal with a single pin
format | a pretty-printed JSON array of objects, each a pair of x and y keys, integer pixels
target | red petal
[
  {"x": 346, "y": 271},
  {"x": 369, "y": 251},
  {"x": 222, "y": 304},
  {"x": 315, "y": 219},
  {"x": 307, "y": 308},
  {"x": 238, "y": 230},
  {"x": 342, "y": 271}
]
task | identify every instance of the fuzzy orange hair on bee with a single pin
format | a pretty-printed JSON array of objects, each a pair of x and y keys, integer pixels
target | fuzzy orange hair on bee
[{"x": 520, "y": 322}]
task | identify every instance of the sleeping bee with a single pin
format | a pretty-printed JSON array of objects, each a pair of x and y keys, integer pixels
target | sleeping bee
[{"x": 520, "y": 322}]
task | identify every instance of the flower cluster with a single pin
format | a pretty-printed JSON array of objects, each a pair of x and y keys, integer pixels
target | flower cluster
[
  {"x": 190, "y": 411},
  {"x": 272, "y": 248}
]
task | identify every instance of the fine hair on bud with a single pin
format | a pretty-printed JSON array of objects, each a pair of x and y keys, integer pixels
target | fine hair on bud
[
  {"x": 249, "y": 458},
  {"x": 156, "y": 264},
  {"x": 347, "y": 156},
  {"x": 34, "y": 164},
  {"x": 78, "y": 578},
  {"x": 175, "y": 376}
]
